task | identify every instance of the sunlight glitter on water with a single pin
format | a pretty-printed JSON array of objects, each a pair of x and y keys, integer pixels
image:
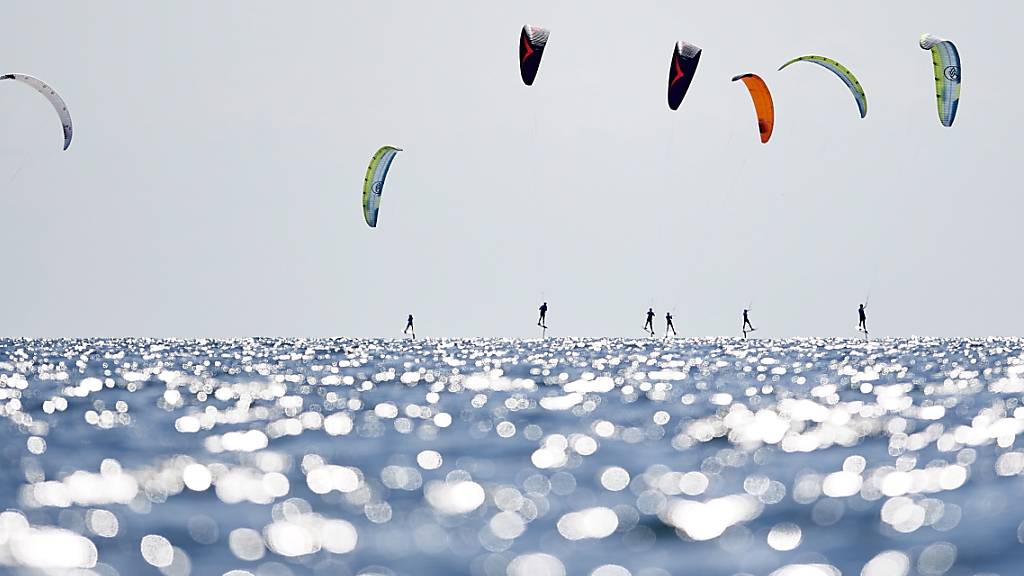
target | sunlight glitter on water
[{"x": 504, "y": 457}]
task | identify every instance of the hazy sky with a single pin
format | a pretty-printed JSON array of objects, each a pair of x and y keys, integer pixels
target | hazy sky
[{"x": 213, "y": 186}]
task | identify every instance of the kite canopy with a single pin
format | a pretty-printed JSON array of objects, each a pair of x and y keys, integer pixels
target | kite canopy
[
  {"x": 844, "y": 74},
  {"x": 946, "y": 60},
  {"x": 763, "y": 105},
  {"x": 52, "y": 96},
  {"x": 531, "y": 48},
  {"x": 680, "y": 72},
  {"x": 373, "y": 184}
]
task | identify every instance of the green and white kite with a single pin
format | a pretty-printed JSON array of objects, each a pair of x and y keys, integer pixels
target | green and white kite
[
  {"x": 946, "y": 60},
  {"x": 844, "y": 74},
  {"x": 373, "y": 184}
]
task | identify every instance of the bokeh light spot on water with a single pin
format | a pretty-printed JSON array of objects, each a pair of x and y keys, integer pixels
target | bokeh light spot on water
[
  {"x": 102, "y": 523},
  {"x": 606, "y": 457},
  {"x": 203, "y": 529},
  {"x": 842, "y": 484},
  {"x": 610, "y": 570},
  {"x": 693, "y": 483},
  {"x": 614, "y": 478},
  {"x": 36, "y": 445},
  {"x": 807, "y": 570},
  {"x": 460, "y": 497},
  {"x": 785, "y": 536},
  {"x": 888, "y": 563},
  {"x": 43, "y": 547},
  {"x": 593, "y": 523},
  {"x": 246, "y": 544},
  {"x": 507, "y": 525},
  {"x": 936, "y": 559},
  {"x": 536, "y": 565},
  {"x": 708, "y": 520},
  {"x": 197, "y": 477},
  {"x": 157, "y": 550},
  {"x": 429, "y": 459}
]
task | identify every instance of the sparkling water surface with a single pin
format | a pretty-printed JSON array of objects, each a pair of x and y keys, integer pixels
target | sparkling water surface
[{"x": 603, "y": 457}]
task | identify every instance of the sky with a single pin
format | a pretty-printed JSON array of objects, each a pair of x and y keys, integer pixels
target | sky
[{"x": 213, "y": 188}]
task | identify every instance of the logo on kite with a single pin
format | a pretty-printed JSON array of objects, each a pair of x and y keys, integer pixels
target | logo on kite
[
  {"x": 378, "y": 187},
  {"x": 527, "y": 51},
  {"x": 680, "y": 74},
  {"x": 946, "y": 63}
]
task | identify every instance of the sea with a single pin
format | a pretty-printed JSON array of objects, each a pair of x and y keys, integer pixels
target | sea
[{"x": 508, "y": 457}]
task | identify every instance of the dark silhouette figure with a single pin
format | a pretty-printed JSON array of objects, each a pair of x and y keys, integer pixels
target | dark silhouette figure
[
  {"x": 746, "y": 322},
  {"x": 409, "y": 327},
  {"x": 542, "y": 321},
  {"x": 668, "y": 324},
  {"x": 649, "y": 325},
  {"x": 862, "y": 325}
]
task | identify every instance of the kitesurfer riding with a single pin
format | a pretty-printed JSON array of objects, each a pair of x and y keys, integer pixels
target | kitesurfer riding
[
  {"x": 408, "y": 327},
  {"x": 862, "y": 325},
  {"x": 649, "y": 325},
  {"x": 542, "y": 321},
  {"x": 746, "y": 321},
  {"x": 668, "y": 324}
]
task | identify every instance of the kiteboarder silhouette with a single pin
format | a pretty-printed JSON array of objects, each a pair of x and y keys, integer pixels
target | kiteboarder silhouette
[
  {"x": 409, "y": 326},
  {"x": 746, "y": 322},
  {"x": 649, "y": 325}
]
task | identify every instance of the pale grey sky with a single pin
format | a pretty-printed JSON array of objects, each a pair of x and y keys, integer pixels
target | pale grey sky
[{"x": 213, "y": 185}]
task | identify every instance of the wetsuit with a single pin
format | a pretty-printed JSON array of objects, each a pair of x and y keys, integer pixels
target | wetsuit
[
  {"x": 649, "y": 325},
  {"x": 543, "y": 315},
  {"x": 668, "y": 324}
]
